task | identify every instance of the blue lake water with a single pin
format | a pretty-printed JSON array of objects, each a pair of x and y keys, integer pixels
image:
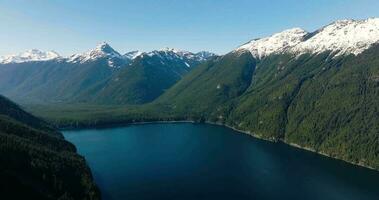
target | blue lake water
[{"x": 198, "y": 161}]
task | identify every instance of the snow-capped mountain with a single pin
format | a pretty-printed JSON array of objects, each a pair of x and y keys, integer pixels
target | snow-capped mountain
[
  {"x": 102, "y": 51},
  {"x": 147, "y": 77},
  {"x": 341, "y": 37},
  {"x": 105, "y": 51},
  {"x": 28, "y": 56},
  {"x": 276, "y": 43}
]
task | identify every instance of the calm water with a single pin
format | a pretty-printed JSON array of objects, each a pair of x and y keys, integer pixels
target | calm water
[{"x": 188, "y": 161}]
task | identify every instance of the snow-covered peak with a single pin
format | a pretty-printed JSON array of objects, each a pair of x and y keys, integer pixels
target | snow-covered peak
[
  {"x": 133, "y": 54},
  {"x": 276, "y": 43},
  {"x": 105, "y": 48},
  {"x": 343, "y": 37},
  {"x": 169, "y": 49},
  {"x": 102, "y": 50},
  {"x": 204, "y": 55},
  {"x": 105, "y": 52},
  {"x": 30, "y": 55},
  {"x": 182, "y": 54}
]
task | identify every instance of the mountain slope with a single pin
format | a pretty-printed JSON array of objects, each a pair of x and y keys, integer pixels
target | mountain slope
[
  {"x": 211, "y": 85},
  {"x": 51, "y": 81},
  {"x": 324, "y": 100},
  {"x": 101, "y": 75},
  {"x": 146, "y": 78},
  {"x": 59, "y": 80},
  {"x": 328, "y": 105},
  {"x": 36, "y": 162}
]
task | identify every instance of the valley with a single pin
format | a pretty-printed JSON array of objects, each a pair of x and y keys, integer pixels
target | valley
[{"x": 316, "y": 91}]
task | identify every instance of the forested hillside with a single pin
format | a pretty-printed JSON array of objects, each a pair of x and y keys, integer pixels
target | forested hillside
[
  {"x": 36, "y": 162},
  {"x": 318, "y": 101},
  {"x": 51, "y": 81},
  {"x": 99, "y": 76},
  {"x": 325, "y": 103},
  {"x": 145, "y": 79}
]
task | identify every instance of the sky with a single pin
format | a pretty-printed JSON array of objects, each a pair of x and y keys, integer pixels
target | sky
[{"x": 73, "y": 26}]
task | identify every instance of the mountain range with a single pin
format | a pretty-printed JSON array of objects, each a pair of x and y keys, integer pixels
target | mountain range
[
  {"x": 316, "y": 90},
  {"x": 101, "y": 75}
]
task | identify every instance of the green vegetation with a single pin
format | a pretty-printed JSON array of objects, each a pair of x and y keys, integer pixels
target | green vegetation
[
  {"x": 36, "y": 162},
  {"x": 145, "y": 79},
  {"x": 51, "y": 81},
  {"x": 94, "y": 82},
  {"x": 325, "y": 103}
]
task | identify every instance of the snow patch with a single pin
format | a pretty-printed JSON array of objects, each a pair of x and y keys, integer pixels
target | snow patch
[
  {"x": 133, "y": 54},
  {"x": 276, "y": 43},
  {"x": 343, "y": 37}
]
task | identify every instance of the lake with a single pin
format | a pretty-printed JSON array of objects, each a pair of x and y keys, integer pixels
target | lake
[{"x": 200, "y": 161}]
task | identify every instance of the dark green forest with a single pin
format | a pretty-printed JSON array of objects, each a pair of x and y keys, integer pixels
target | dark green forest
[
  {"x": 36, "y": 162},
  {"x": 320, "y": 102}
]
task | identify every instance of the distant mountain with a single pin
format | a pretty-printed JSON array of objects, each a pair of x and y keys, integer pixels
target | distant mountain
[
  {"x": 102, "y": 51},
  {"x": 51, "y": 81},
  {"x": 132, "y": 55},
  {"x": 146, "y": 78},
  {"x": 82, "y": 77},
  {"x": 29, "y": 56},
  {"x": 317, "y": 90},
  {"x": 36, "y": 162}
]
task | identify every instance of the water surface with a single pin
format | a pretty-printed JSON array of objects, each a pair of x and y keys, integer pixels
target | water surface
[{"x": 198, "y": 161}]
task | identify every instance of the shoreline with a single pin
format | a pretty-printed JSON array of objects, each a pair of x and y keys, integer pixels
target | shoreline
[
  {"x": 223, "y": 125},
  {"x": 294, "y": 145}
]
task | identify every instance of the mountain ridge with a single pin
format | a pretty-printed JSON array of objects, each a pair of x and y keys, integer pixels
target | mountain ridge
[
  {"x": 85, "y": 77},
  {"x": 342, "y": 37},
  {"x": 102, "y": 50}
]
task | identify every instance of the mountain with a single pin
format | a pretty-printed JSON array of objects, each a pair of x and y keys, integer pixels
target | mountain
[
  {"x": 82, "y": 77},
  {"x": 58, "y": 80},
  {"x": 146, "y": 78},
  {"x": 315, "y": 90},
  {"x": 342, "y": 37},
  {"x": 51, "y": 81},
  {"x": 211, "y": 84},
  {"x": 102, "y": 51},
  {"x": 29, "y": 56},
  {"x": 277, "y": 43},
  {"x": 36, "y": 162}
]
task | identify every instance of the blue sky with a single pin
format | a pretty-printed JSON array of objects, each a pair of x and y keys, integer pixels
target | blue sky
[{"x": 72, "y": 26}]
